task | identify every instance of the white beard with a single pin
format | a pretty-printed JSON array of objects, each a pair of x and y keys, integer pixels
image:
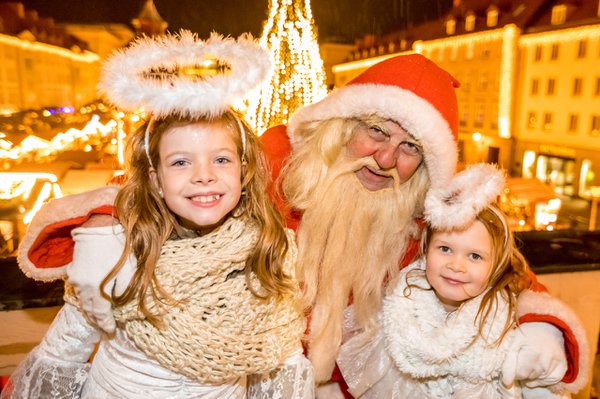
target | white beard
[{"x": 350, "y": 241}]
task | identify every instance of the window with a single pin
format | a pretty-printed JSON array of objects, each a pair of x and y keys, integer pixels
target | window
[
  {"x": 470, "y": 22},
  {"x": 464, "y": 118},
  {"x": 559, "y": 14},
  {"x": 531, "y": 120},
  {"x": 492, "y": 17},
  {"x": 582, "y": 48},
  {"x": 595, "y": 128},
  {"x": 547, "y": 121},
  {"x": 483, "y": 81},
  {"x": 469, "y": 50},
  {"x": 554, "y": 52},
  {"x": 538, "y": 54},
  {"x": 450, "y": 26},
  {"x": 480, "y": 117},
  {"x": 577, "y": 84},
  {"x": 465, "y": 84},
  {"x": 494, "y": 118},
  {"x": 535, "y": 87},
  {"x": 573, "y": 123},
  {"x": 551, "y": 87}
]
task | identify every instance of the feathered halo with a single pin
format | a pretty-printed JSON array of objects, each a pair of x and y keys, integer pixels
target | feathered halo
[
  {"x": 183, "y": 75},
  {"x": 468, "y": 193}
]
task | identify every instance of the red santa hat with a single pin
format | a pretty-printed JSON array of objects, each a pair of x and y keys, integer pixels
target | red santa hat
[{"x": 408, "y": 89}]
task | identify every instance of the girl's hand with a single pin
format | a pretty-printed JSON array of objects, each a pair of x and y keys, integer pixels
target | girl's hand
[
  {"x": 537, "y": 357},
  {"x": 96, "y": 252}
]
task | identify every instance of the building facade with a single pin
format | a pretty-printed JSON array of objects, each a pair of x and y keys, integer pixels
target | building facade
[
  {"x": 558, "y": 109},
  {"x": 40, "y": 64},
  {"x": 530, "y": 83}
]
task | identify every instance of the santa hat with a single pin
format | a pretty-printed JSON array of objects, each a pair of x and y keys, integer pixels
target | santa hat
[{"x": 408, "y": 89}]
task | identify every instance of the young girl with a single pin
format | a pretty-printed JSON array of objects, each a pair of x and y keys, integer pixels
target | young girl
[
  {"x": 212, "y": 299},
  {"x": 449, "y": 321}
]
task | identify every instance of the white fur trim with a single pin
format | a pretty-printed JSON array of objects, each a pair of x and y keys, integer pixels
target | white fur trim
[
  {"x": 542, "y": 303},
  {"x": 469, "y": 192},
  {"x": 57, "y": 210},
  {"x": 125, "y": 86},
  {"x": 421, "y": 119}
]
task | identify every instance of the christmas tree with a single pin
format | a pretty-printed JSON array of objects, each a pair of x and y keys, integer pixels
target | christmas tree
[{"x": 298, "y": 77}]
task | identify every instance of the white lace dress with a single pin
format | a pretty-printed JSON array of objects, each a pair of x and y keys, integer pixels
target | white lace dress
[{"x": 58, "y": 368}]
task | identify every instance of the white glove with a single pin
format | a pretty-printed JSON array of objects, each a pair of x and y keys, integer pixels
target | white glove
[
  {"x": 537, "y": 356},
  {"x": 96, "y": 252}
]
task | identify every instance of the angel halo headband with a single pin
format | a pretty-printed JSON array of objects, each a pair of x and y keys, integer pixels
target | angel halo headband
[
  {"x": 457, "y": 203},
  {"x": 183, "y": 75},
  {"x": 468, "y": 193}
]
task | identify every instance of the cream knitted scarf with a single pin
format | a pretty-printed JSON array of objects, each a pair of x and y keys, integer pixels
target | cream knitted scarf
[{"x": 218, "y": 330}]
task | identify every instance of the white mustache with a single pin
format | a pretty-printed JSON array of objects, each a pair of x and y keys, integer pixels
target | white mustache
[{"x": 372, "y": 165}]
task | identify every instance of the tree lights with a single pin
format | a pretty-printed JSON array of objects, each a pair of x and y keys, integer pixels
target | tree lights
[{"x": 298, "y": 77}]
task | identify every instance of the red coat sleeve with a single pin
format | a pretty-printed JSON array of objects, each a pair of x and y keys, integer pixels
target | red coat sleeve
[{"x": 277, "y": 148}]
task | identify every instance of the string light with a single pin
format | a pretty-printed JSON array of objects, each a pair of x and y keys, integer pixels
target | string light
[
  {"x": 37, "y": 47},
  {"x": 561, "y": 36},
  {"x": 35, "y": 147},
  {"x": 298, "y": 78}
]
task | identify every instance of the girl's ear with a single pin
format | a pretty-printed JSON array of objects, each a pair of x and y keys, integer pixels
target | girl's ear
[
  {"x": 244, "y": 169},
  {"x": 156, "y": 183}
]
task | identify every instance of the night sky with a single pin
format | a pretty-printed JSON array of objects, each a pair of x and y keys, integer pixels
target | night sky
[{"x": 338, "y": 20}]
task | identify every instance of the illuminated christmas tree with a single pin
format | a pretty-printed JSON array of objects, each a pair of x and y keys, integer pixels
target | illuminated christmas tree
[{"x": 298, "y": 78}]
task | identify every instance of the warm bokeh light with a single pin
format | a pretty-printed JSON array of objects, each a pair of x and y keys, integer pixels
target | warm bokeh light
[{"x": 36, "y": 147}]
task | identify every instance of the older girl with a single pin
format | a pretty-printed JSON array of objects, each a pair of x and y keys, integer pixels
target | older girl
[{"x": 212, "y": 298}]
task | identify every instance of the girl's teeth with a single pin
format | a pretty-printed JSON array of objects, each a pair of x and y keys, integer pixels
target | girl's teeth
[{"x": 206, "y": 198}]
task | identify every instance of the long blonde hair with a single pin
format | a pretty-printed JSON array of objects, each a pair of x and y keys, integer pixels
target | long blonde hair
[
  {"x": 510, "y": 273},
  {"x": 148, "y": 222}
]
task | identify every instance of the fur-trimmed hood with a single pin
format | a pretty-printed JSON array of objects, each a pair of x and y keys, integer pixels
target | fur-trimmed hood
[{"x": 47, "y": 248}]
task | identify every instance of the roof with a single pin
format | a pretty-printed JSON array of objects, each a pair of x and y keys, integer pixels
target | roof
[
  {"x": 529, "y": 15},
  {"x": 532, "y": 190}
]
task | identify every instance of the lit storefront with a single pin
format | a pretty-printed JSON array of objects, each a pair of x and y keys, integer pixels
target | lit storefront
[{"x": 569, "y": 171}]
